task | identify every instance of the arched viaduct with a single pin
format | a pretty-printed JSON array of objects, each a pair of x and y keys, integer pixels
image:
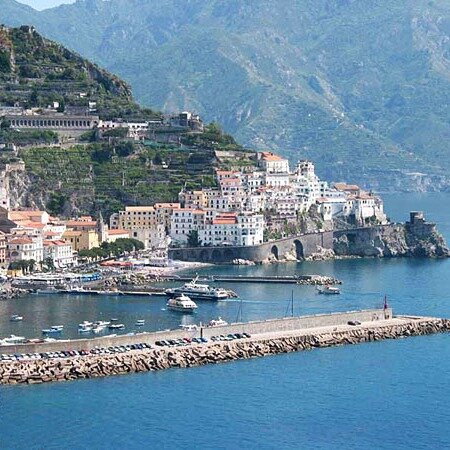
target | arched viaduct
[{"x": 303, "y": 246}]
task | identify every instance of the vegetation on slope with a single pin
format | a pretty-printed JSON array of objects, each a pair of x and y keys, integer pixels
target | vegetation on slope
[{"x": 361, "y": 88}]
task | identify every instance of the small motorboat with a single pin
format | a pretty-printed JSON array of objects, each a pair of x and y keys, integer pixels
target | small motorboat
[
  {"x": 101, "y": 323},
  {"x": 57, "y": 327},
  {"x": 328, "y": 290},
  {"x": 85, "y": 324},
  {"x": 140, "y": 323},
  {"x": 98, "y": 329},
  {"x": 116, "y": 326},
  {"x": 217, "y": 322},
  {"x": 52, "y": 330},
  {"x": 85, "y": 329},
  {"x": 15, "y": 318},
  {"x": 182, "y": 303}
]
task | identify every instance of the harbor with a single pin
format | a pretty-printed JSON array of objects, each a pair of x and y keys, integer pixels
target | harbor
[{"x": 71, "y": 360}]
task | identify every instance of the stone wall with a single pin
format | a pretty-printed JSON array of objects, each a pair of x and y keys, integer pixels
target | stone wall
[{"x": 40, "y": 371}]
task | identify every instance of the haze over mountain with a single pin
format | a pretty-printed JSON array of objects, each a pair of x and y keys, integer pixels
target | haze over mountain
[{"x": 361, "y": 87}]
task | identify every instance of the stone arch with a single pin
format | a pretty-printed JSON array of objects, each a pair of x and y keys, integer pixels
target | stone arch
[
  {"x": 228, "y": 255},
  {"x": 203, "y": 256},
  {"x": 274, "y": 251},
  {"x": 299, "y": 250},
  {"x": 216, "y": 255}
]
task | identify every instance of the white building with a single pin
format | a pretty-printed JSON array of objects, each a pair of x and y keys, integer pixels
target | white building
[
  {"x": 25, "y": 248},
  {"x": 60, "y": 252},
  {"x": 272, "y": 163},
  {"x": 183, "y": 221}
]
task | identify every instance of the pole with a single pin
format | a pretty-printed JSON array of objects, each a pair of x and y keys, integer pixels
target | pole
[{"x": 292, "y": 303}]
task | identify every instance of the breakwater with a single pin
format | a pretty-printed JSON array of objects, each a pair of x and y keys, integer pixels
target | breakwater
[{"x": 265, "y": 344}]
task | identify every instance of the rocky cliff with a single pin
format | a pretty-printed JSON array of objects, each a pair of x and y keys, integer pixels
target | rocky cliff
[{"x": 415, "y": 238}]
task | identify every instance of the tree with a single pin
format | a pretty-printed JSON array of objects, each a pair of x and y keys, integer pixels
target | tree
[
  {"x": 49, "y": 263},
  {"x": 5, "y": 124},
  {"x": 192, "y": 239}
]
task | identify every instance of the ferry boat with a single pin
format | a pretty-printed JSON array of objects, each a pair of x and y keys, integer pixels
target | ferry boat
[
  {"x": 328, "y": 290},
  {"x": 182, "y": 303},
  {"x": 15, "y": 318},
  {"x": 199, "y": 291}
]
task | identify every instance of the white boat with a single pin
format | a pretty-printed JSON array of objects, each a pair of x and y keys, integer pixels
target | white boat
[
  {"x": 140, "y": 322},
  {"x": 116, "y": 326},
  {"x": 47, "y": 291},
  {"x": 16, "y": 318},
  {"x": 85, "y": 324},
  {"x": 51, "y": 331},
  {"x": 217, "y": 322},
  {"x": 182, "y": 303},
  {"x": 12, "y": 340},
  {"x": 199, "y": 291},
  {"x": 101, "y": 323},
  {"x": 86, "y": 329},
  {"x": 98, "y": 329},
  {"x": 57, "y": 327},
  {"x": 190, "y": 327},
  {"x": 328, "y": 290}
]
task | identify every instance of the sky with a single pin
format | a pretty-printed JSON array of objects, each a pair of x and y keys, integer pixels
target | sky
[{"x": 43, "y": 4}]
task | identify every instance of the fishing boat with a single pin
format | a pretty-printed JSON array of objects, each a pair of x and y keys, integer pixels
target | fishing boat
[
  {"x": 198, "y": 291},
  {"x": 182, "y": 303},
  {"x": 328, "y": 290},
  {"x": 217, "y": 322},
  {"x": 15, "y": 318}
]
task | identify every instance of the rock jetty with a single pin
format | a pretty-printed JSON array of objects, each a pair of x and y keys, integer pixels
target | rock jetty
[{"x": 41, "y": 371}]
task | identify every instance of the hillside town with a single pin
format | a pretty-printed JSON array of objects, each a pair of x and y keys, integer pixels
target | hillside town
[{"x": 247, "y": 207}]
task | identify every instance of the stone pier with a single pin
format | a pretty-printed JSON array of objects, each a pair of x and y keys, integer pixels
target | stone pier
[{"x": 274, "y": 341}]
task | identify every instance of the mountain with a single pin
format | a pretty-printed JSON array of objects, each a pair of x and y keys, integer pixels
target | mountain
[
  {"x": 35, "y": 72},
  {"x": 362, "y": 88}
]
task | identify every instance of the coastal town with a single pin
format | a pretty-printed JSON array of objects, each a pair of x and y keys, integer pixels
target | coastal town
[{"x": 259, "y": 203}]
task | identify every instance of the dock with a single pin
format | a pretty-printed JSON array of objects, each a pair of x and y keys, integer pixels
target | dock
[
  {"x": 278, "y": 279},
  {"x": 266, "y": 338}
]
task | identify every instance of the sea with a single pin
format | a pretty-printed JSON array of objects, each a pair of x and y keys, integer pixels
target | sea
[{"x": 387, "y": 395}]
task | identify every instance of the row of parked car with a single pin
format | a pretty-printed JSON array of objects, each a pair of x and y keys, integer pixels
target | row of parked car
[
  {"x": 71, "y": 353},
  {"x": 120, "y": 348},
  {"x": 200, "y": 340}
]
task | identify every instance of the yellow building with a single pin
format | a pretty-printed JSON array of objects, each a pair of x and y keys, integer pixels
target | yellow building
[{"x": 82, "y": 240}]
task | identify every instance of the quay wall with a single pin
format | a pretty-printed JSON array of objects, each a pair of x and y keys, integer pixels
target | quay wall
[
  {"x": 40, "y": 371},
  {"x": 255, "y": 327}
]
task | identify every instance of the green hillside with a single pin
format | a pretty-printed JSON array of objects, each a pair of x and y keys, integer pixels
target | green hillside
[{"x": 361, "y": 87}]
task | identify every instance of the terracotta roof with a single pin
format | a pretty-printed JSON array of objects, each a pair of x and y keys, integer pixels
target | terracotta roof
[
  {"x": 21, "y": 241},
  {"x": 118, "y": 231},
  {"x": 80, "y": 223},
  {"x": 70, "y": 233},
  {"x": 224, "y": 221},
  {"x": 346, "y": 187},
  {"x": 56, "y": 243},
  {"x": 268, "y": 156}
]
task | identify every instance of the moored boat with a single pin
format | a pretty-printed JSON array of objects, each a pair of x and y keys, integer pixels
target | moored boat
[
  {"x": 182, "y": 303},
  {"x": 13, "y": 339},
  {"x": 140, "y": 322},
  {"x": 116, "y": 326},
  {"x": 217, "y": 322},
  {"x": 15, "y": 318},
  {"x": 328, "y": 290},
  {"x": 197, "y": 291}
]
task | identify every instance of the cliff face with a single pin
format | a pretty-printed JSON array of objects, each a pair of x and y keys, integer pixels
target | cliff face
[{"x": 412, "y": 239}]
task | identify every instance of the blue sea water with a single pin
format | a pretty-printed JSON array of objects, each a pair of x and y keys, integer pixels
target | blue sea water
[{"x": 391, "y": 394}]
